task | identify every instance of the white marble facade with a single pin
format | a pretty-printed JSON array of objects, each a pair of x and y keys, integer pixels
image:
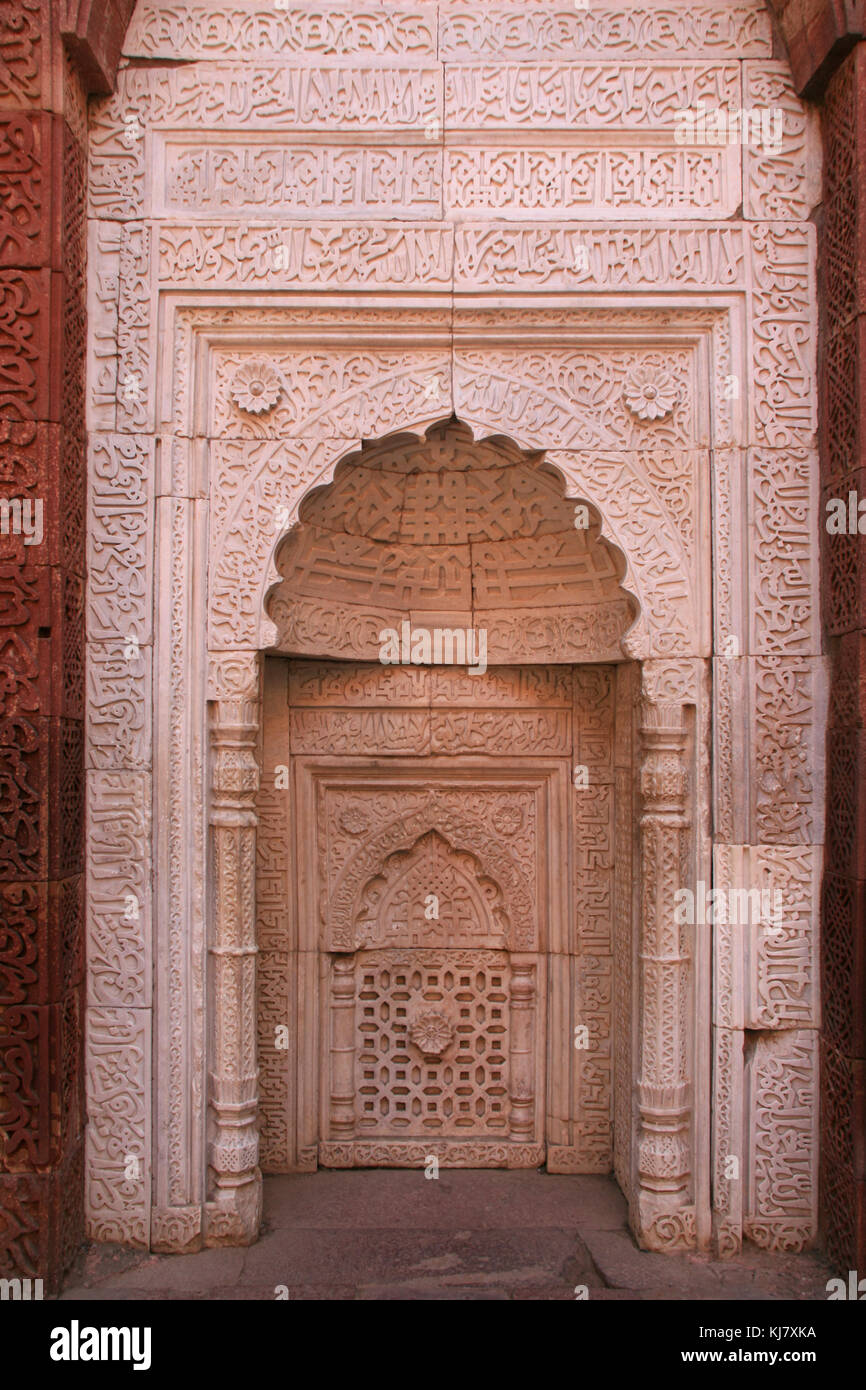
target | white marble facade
[{"x": 332, "y": 223}]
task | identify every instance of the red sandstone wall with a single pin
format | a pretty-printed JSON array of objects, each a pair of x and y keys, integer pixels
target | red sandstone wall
[
  {"x": 843, "y": 469},
  {"x": 828, "y": 59},
  {"x": 817, "y": 34},
  {"x": 42, "y": 456}
]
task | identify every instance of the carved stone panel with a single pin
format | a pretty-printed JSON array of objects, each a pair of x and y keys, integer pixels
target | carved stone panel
[
  {"x": 439, "y": 1049},
  {"x": 431, "y": 879},
  {"x": 424, "y": 815}
]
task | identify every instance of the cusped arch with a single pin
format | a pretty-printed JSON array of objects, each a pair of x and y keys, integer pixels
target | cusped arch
[
  {"x": 398, "y": 905},
  {"x": 437, "y": 814},
  {"x": 606, "y": 599},
  {"x": 258, "y": 505}
]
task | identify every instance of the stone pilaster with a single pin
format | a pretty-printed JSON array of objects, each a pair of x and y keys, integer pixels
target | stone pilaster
[
  {"x": 234, "y": 1211},
  {"x": 664, "y": 1217},
  {"x": 342, "y": 1022},
  {"x": 522, "y": 1051}
]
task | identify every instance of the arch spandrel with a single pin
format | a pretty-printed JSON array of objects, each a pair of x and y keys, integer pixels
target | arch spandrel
[
  {"x": 266, "y": 508},
  {"x": 260, "y": 485}
]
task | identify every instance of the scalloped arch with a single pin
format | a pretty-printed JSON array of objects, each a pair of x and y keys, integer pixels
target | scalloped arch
[
  {"x": 654, "y": 570},
  {"x": 400, "y": 835}
]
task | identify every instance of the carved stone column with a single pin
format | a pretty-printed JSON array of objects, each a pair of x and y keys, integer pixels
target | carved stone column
[
  {"x": 522, "y": 1127},
  {"x": 234, "y": 1211},
  {"x": 342, "y": 1021},
  {"x": 664, "y": 1219}
]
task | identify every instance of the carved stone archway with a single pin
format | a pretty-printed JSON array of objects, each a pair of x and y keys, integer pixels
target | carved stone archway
[
  {"x": 659, "y": 1176},
  {"x": 548, "y": 330}
]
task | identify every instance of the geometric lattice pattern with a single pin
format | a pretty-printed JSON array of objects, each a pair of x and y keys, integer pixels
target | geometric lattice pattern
[{"x": 431, "y": 1053}]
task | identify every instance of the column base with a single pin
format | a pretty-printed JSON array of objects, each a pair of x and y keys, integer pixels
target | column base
[
  {"x": 235, "y": 1218},
  {"x": 658, "y": 1225}
]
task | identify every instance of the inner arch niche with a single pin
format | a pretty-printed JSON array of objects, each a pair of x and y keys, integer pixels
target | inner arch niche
[
  {"x": 435, "y": 897},
  {"x": 453, "y": 533}
]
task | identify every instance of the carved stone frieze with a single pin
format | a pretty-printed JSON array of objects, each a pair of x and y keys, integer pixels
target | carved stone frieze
[
  {"x": 118, "y": 889},
  {"x": 784, "y": 182},
  {"x": 784, "y": 337},
  {"x": 360, "y": 256},
  {"x": 630, "y": 31},
  {"x": 288, "y": 179},
  {"x": 782, "y": 1115},
  {"x": 587, "y": 256},
  {"x": 783, "y": 589},
  {"x": 260, "y": 96},
  {"x": 175, "y": 1229},
  {"x": 251, "y": 29},
  {"x": 118, "y": 1173},
  {"x": 561, "y": 182},
  {"x": 119, "y": 705},
  {"x": 120, "y": 499},
  {"x": 765, "y": 929},
  {"x": 560, "y": 96}
]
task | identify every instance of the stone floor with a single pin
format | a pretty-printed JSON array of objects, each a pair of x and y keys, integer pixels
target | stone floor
[{"x": 391, "y": 1235}]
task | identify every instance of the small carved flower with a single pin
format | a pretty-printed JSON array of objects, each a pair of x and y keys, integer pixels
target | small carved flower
[
  {"x": 508, "y": 820},
  {"x": 353, "y": 820},
  {"x": 256, "y": 387},
  {"x": 650, "y": 393},
  {"x": 431, "y": 1032}
]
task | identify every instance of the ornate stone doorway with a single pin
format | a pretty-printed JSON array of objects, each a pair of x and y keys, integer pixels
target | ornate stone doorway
[
  {"x": 435, "y": 890},
  {"x": 655, "y": 371}
]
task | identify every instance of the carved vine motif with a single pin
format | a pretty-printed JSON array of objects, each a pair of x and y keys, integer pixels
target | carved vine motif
[{"x": 258, "y": 30}]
